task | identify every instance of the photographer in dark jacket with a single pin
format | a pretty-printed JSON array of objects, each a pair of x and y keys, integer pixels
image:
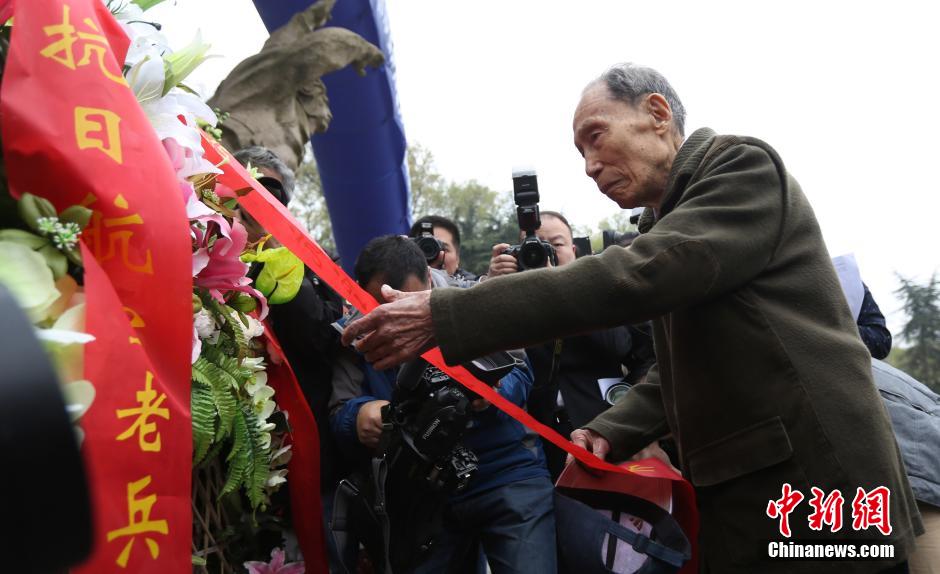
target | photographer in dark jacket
[
  {"x": 302, "y": 325},
  {"x": 579, "y": 377}
]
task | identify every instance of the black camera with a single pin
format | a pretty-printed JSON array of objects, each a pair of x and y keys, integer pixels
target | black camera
[
  {"x": 532, "y": 253},
  {"x": 430, "y": 245},
  {"x": 396, "y": 508}
]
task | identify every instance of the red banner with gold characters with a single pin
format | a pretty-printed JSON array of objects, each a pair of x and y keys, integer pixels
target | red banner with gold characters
[{"x": 74, "y": 133}]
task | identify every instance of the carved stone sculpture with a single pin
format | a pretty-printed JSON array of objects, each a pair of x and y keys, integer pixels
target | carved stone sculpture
[{"x": 276, "y": 98}]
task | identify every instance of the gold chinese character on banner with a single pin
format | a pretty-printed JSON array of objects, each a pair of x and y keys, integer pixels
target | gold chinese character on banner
[
  {"x": 149, "y": 407},
  {"x": 138, "y": 522},
  {"x": 106, "y": 235},
  {"x": 92, "y": 43},
  {"x": 96, "y": 128}
]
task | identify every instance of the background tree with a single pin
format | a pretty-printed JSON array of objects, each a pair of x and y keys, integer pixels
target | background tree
[
  {"x": 485, "y": 216},
  {"x": 922, "y": 331}
]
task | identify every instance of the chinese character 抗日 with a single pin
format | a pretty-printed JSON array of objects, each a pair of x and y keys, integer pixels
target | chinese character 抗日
[{"x": 92, "y": 43}]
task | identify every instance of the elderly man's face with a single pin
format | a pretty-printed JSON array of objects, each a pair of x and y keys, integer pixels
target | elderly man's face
[{"x": 628, "y": 150}]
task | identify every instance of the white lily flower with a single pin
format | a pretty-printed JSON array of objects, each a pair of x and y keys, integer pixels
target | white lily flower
[
  {"x": 276, "y": 477},
  {"x": 146, "y": 79},
  {"x": 266, "y": 439},
  {"x": 63, "y": 337},
  {"x": 258, "y": 382},
  {"x": 204, "y": 324},
  {"x": 267, "y": 409},
  {"x": 282, "y": 456},
  {"x": 255, "y": 328},
  {"x": 256, "y": 364},
  {"x": 262, "y": 395}
]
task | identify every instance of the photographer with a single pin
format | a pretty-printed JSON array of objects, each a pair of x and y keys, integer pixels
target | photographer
[
  {"x": 447, "y": 235},
  {"x": 507, "y": 504},
  {"x": 577, "y": 378}
]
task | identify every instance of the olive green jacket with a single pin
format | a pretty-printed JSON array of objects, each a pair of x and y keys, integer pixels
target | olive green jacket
[{"x": 761, "y": 378}]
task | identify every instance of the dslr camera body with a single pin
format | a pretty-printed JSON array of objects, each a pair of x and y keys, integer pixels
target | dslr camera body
[
  {"x": 532, "y": 253},
  {"x": 430, "y": 245}
]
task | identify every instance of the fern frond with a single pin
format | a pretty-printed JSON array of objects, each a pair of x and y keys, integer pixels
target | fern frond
[
  {"x": 238, "y": 458},
  {"x": 204, "y": 417},
  {"x": 260, "y": 457}
]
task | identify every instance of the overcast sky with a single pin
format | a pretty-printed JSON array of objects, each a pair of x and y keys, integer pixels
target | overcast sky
[{"x": 845, "y": 91}]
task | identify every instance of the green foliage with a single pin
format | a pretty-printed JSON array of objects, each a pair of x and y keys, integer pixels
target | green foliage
[
  {"x": 281, "y": 276},
  {"x": 922, "y": 331},
  {"x": 204, "y": 414},
  {"x": 249, "y": 458}
]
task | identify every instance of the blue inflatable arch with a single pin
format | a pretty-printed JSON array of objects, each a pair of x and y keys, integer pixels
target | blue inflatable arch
[{"x": 362, "y": 156}]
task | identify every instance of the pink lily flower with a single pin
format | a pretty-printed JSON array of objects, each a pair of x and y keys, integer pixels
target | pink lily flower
[{"x": 276, "y": 566}]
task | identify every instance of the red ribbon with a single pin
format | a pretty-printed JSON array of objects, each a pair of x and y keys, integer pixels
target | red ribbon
[
  {"x": 277, "y": 220},
  {"x": 73, "y": 133},
  {"x": 304, "y": 467}
]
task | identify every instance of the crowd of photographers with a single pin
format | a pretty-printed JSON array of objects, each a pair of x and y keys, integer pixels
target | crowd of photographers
[{"x": 418, "y": 473}]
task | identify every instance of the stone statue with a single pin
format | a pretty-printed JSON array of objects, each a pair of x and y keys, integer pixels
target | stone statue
[{"x": 276, "y": 98}]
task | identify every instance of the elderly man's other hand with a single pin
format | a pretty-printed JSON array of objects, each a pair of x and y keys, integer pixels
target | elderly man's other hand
[
  {"x": 591, "y": 442},
  {"x": 500, "y": 263},
  {"x": 653, "y": 450},
  {"x": 395, "y": 332},
  {"x": 369, "y": 423}
]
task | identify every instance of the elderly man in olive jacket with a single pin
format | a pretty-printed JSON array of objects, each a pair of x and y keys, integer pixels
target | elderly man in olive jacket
[{"x": 761, "y": 378}]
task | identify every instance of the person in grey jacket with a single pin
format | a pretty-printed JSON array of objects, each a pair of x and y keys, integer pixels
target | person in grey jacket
[{"x": 915, "y": 415}]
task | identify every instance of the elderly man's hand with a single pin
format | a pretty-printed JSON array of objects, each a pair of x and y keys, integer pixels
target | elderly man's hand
[
  {"x": 591, "y": 442},
  {"x": 395, "y": 332},
  {"x": 501, "y": 264}
]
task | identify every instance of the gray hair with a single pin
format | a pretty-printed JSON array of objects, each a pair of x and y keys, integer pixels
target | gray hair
[
  {"x": 628, "y": 82},
  {"x": 259, "y": 156}
]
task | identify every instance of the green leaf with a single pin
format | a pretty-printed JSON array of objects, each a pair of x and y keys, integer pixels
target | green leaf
[
  {"x": 239, "y": 458},
  {"x": 203, "y": 411},
  {"x": 147, "y": 4},
  {"x": 27, "y": 276},
  {"x": 281, "y": 276},
  {"x": 222, "y": 387},
  {"x": 52, "y": 256},
  {"x": 181, "y": 63},
  {"x": 32, "y": 207},
  {"x": 260, "y": 461},
  {"x": 197, "y": 560},
  {"x": 77, "y": 214}
]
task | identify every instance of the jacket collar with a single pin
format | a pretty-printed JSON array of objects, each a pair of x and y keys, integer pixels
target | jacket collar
[{"x": 687, "y": 160}]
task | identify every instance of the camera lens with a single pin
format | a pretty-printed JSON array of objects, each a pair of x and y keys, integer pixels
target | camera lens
[
  {"x": 532, "y": 255},
  {"x": 430, "y": 246}
]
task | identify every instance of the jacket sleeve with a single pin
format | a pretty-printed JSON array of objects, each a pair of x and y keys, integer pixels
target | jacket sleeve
[
  {"x": 638, "y": 419},
  {"x": 722, "y": 233},
  {"x": 872, "y": 327},
  {"x": 346, "y": 399}
]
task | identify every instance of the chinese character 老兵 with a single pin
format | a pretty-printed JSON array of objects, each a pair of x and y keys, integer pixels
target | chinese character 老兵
[
  {"x": 826, "y": 510},
  {"x": 784, "y": 506},
  {"x": 148, "y": 408},
  {"x": 105, "y": 235},
  {"x": 871, "y": 509},
  {"x": 138, "y": 522},
  {"x": 87, "y": 126},
  {"x": 62, "y": 49}
]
